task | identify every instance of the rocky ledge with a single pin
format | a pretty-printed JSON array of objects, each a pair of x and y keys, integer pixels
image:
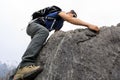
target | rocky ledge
[{"x": 81, "y": 54}]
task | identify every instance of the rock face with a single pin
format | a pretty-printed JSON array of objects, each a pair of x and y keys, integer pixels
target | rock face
[{"x": 81, "y": 55}]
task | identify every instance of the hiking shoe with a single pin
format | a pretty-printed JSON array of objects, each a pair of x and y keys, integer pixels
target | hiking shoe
[{"x": 27, "y": 73}]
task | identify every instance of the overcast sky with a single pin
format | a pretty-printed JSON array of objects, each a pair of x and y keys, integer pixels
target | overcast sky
[{"x": 15, "y": 15}]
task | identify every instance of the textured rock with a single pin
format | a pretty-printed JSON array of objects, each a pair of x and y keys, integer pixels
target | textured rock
[{"x": 81, "y": 55}]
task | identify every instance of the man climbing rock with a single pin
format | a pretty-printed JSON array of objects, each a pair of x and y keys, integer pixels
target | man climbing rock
[{"x": 44, "y": 21}]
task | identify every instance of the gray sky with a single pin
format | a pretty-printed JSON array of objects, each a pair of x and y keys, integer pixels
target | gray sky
[{"x": 15, "y": 15}]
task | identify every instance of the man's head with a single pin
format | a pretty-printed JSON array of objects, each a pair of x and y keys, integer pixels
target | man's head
[{"x": 72, "y": 13}]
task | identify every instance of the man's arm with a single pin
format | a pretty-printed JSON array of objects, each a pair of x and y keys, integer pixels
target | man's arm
[{"x": 77, "y": 21}]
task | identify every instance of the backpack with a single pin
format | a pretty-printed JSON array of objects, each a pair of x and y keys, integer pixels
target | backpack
[{"x": 45, "y": 11}]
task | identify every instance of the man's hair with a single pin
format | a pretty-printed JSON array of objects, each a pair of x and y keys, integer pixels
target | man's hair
[{"x": 74, "y": 13}]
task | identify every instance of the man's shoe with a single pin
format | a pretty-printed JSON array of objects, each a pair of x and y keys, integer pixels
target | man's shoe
[{"x": 27, "y": 73}]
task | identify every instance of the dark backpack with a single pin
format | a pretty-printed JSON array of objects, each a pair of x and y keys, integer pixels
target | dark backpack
[{"x": 45, "y": 11}]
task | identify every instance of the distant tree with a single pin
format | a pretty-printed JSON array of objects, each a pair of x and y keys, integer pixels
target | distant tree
[{"x": 5, "y": 71}]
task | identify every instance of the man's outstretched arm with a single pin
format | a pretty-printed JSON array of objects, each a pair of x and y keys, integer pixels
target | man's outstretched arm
[{"x": 77, "y": 21}]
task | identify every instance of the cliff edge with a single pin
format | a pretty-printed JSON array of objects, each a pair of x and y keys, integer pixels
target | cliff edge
[{"x": 81, "y": 54}]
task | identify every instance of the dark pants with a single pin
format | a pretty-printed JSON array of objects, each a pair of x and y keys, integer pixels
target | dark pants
[{"x": 38, "y": 35}]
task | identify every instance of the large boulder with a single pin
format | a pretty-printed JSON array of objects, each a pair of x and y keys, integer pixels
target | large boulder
[{"x": 81, "y": 54}]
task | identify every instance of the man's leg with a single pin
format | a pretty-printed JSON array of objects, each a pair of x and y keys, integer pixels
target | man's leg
[
  {"x": 28, "y": 59},
  {"x": 35, "y": 46}
]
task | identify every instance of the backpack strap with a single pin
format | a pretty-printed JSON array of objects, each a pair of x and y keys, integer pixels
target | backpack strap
[
  {"x": 51, "y": 18},
  {"x": 53, "y": 24}
]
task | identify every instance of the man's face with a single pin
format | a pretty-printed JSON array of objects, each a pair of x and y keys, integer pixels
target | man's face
[{"x": 70, "y": 14}]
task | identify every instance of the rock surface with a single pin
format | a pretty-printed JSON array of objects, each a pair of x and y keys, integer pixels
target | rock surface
[{"x": 81, "y": 55}]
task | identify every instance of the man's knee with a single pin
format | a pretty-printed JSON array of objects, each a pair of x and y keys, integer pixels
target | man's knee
[{"x": 44, "y": 31}]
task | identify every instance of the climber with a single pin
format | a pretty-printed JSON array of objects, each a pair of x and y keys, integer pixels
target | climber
[{"x": 39, "y": 28}]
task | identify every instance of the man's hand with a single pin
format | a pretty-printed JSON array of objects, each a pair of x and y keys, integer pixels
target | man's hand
[
  {"x": 93, "y": 27},
  {"x": 56, "y": 31}
]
